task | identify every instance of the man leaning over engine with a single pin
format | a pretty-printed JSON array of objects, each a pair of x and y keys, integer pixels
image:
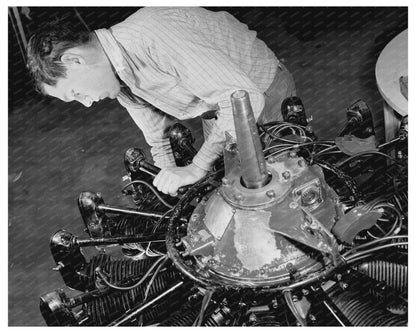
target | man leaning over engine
[{"x": 164, "y": 64}]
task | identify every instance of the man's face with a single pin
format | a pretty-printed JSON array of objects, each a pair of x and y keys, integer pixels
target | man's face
[{"x": 86, "y": 83}]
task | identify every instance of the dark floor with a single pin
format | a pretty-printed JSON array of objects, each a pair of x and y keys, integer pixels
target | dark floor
[{"x": 57, "y": 150}]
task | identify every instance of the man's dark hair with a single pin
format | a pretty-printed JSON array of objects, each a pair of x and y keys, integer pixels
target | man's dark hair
[{"x": 45, "y": 48}]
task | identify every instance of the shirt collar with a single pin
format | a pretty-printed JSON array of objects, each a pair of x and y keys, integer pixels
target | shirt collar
[
  {"x": 112, "y": 49},
  {"x": 117, "y": 56}
]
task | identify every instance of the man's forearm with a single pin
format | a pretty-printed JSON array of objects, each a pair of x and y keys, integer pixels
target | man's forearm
[
  {"x": 208, "y": 154},
  {"x": 162, "y": 154}
]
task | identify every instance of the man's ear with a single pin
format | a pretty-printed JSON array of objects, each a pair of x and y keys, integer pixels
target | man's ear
[{"x": 72, "y": 58}]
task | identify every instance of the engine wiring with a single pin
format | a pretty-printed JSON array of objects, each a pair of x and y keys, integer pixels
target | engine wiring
[{"x": 151, "y": 188}]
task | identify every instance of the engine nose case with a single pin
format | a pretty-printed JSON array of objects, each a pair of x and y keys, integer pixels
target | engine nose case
[
  {"x": 267, "y": 235},
  {"x": 271, "y": 229}
]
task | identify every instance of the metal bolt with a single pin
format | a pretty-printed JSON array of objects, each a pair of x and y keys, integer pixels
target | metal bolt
[
  {"x": 212, "y": 262},
  {"x": 271, "y": 193},
  {"x": 290, "y": 268},
  {"x": 234, "y": 269},
  {"x": 286, "y": 175},
  {"x": 399, "y": 154},
  {"x": 305, "y": 292},
  {"x": 292, "y": 154},
  {"x": 225, "y": 181},
  {"x": 262, "y": 271},
  {"x": 125, "y": 178},
  {"x": 293, "y": 205},
  {"x": 238, "y": 197},
  {"x": 343, "y": 285},
  {"x": 252, "y": 318},
  {"x": 312, "y": 317},
  {"x": 302, "y": 163}
]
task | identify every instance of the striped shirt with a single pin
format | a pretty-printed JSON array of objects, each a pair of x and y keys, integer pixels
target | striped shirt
[{"x": 184, "y": 62}]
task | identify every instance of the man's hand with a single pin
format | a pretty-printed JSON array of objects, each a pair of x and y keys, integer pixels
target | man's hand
[{"x": 170, "y": 179}]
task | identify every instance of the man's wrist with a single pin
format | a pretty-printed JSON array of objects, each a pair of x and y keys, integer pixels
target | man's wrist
[
  {"x": 202, "y": 163},
  {"x": 198, "y": 170}
]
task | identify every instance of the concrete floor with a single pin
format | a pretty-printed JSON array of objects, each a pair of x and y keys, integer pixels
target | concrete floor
[{"x": 57, "y": 150}]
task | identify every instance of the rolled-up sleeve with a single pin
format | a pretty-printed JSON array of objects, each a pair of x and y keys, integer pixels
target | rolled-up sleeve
[{"x": 209, "y": 74}]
